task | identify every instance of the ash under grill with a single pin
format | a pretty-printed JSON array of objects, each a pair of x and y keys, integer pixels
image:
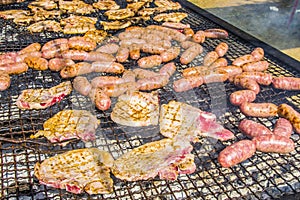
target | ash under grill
[{"x": 264, "y": 176}]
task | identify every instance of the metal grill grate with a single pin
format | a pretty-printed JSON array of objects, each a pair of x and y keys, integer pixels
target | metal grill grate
[{"x": 264, "y": 176}]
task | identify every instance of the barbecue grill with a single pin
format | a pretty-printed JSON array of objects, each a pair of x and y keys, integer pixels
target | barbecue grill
[{"x": 264, "y": 176}]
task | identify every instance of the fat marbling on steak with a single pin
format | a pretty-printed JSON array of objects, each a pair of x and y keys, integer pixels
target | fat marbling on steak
[
  {"x": 166, "y": 158},
  {"x": 68, "y": 124},
  {"x": 43, "y": 98},
  {"x": 77, "y": 171}
]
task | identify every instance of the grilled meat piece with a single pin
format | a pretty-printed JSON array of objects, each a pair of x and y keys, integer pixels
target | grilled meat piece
[
  {"x": 69, "y": 124},
  {"x": 106, "y": 5},
  {"x": 166, "y": 158},
  {"x": 96, "y": 35},
  {"x": 76, "y": 7},
  {"x": 5, "y": 2},
  {"x": 168, "y": 4},
  {"x": 115, "y": 25},
  {"x": 47, "y": 25},
  {"x": 77, "y": 171},
  {"x": 119, "y": 14},
  {"x": 136, "y": 109},
  {"x": 170, "y": 17},
  {"x": 12, "y": 14},
  {"x": 44, "y": 4},
  {"x": 43, "y": 98}
]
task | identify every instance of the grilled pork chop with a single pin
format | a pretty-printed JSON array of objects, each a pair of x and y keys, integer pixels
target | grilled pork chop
[
  {"x": 177, "y": 118},
  {"x": 166, "y": 158},
  {"x": 77, "y": 171},
  {"x": 43, "y": 98},
  {"x": 136, "y": 109},
  {"x": 68, "y": 124}
]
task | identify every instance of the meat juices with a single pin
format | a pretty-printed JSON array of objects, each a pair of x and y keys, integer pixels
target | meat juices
[
  {"x": 241, "y": 96},
  {"x": 236, "y": 153},
  {"x": 274, "y": 144},
  {"x": 253, "y": 129},
  {"x": 283, "y": 127},
  {"x": 289, "y": 113},
  {"x": 259, "y": 109},
  {"x": 286, "y": 83}
]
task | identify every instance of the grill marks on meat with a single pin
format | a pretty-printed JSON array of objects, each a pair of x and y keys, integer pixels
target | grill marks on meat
[
  {"x": 166, "y": 158},
  {"x": 77, "y": 171},
  {"x": 69, "y": 124},
  {"x": 43, "y": 98},
  {"x": 136, "y": 109}
]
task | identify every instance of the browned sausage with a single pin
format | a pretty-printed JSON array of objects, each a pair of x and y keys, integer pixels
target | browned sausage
[
  {"x": 128, "y": 76},
  {"x": 186, "y": 44},
  {"x": 243, "y": 60},
  {"x": 175, "y": 35},
  {"x": 33, "y": 53},
  {"x": 76, "y": 70},
  {"x": 170, "y": 54},
  {"x": 143, "y": 73},
  {"x": 110, "y": 48},
  {"x": 4, "y": 80},
  {"x": 215, "y": 77},
  {"x": 188, "y": 32},
  {"x": 99, "y": 56},
  {"x": 75, "y": 54},
  {"x": 289, "y": 113},
  {"x": 168, "y": 69},
  {"x": 253, "y": 129},
  {"x": 55, "y": 52},
  {"x": 274, "y": 144},
  {"x": 119, "y": 89},
  {"x": 232, "y": 71},
  {"x": 31, "y": 48},
  {"x": 153, "y": 82},
  {"x": 101, "y": 81},
  {"x": 128, "y": 42},
  {"x": 188, "y": 83},
  {"x": 164, "y": 43},
  {"x": 216, "y": 33},
  {"x": 14, "y": 68},
  {"x": 195, "y": 71},
  {"x": 258, "y": 66},
  {"x": 261, "y": 78},
  {"x": 199, "y": 37},
  {"x": 107, "y": 67},
  {"x": 82, "y": 85},
  {"x": 130, "y": 34},
  {"x": 259, "y": 109},
  {"x": 176, "y": 25},
  {"x": 258, "y": 54},
  {"x": 122, "y": 54},
  {"x": 220, "y": 62},
  {"x": 9, "y": 57},
  {"x": 236, "y": 153},
  {"x": 283, "y": 127},
  {"x": 150, "y": 61},
  {"x": 53, "y": 43},
  {"x": 36, "y": 63},
  {"x": 286, "y": 83},
  {"x": 81, "y": 43},
  {"x": 221, "y": 49},
  {"x": 153, "y": 48},
  {"x": 238, "y": 97},
  {"x": 210, "y": 57},
  {"x": 189, "y": 54},
  {"x": 100, "y": 98},
  {"x": 56, "y": 64},
  {"x": 246, "y": 83}
]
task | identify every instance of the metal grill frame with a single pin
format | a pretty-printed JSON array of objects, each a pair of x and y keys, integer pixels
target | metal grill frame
[{"x": 264, "y": 176}]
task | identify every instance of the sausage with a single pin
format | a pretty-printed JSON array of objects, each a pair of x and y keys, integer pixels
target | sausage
[
  {"x": 119, "y": 89},
  {"x": 243, "y": 60},
  {"x": 236, "y": 153},
  {"x": 150, "y": 37},
  {"x": 53, "y": 43},
  {"x": 101, "y": 81},
  {"x": 81, "y": 43},
  {"x": 53, "y": 53},
  {"x": 36, "y": 63},
  {"x": 170, "y": 54},
  {"x": 188, "y": 32},
  {"x": 75, "y": 54},
  {"x": 76, "y": 70},
  {"x": 283, "y": 127},
  {"x": 220, "y": 62},
  {"x": 82, "y": 85},
  {"x": 31, "y": 48},
  {"x": 33, "y": 53},
  {"x": 107, "y": 67},
  {"x": 110, "y": 48},
  {"x": 186, "y": 44},
  {"x": 168, "y": 69},
  {"x": 261, "y": 78},
  {"x": 153, "y": 82},
  {"x": 188, "y": 83},
  {"x": 199, "y": 37},
  {"x": 128, "y": 42},
  {"x": 99, "y": 56},
  {"x": 57, "y": 64},
  {"x": 4, "y": 80},
  {"x": 143, "y": 73},
  {"x": 195, "y": 71},
  {"x": 246, "y": 83},
  {"x": 174, "y": 34},
  {"x": 238, "y": 97},
  {"x": 9, "y": 57},
  {"x": 258, "y": 66},
  {"x": 150, "y": 61},
  {"x": 152, "y": 48},
  {"x": 216, "y": 33},
  {"x": 259, "y": 109},
  {"x": 253, "y": 129},
  {"x": 258, "y": 54},
  {"x": 14, "y": 68},
  {"x": 289, "y": 113},
  {"x": 176, "y": 25},
  {"x": 286, "y": 83},
  {"x": 100, "y": 98},
  {"x": 274, "y": 144},
  {"x": 129, "y": 34},
  {"x": 215, "y": 77},
  {"x": 232, "y": 70},
  {"x": 189, "y": 54},
  {"x": 210, "y": 57},
  {"x": 221, "y": 49},
  {"x": 128, "y": 76},
  {"x": 135, "y": 51},
  {"x": 122, "y": 54},
  {"x": 164, "y": 43}
]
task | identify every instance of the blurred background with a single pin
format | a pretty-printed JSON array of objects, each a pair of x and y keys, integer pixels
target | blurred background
[{"x": 276, "y": 22}]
